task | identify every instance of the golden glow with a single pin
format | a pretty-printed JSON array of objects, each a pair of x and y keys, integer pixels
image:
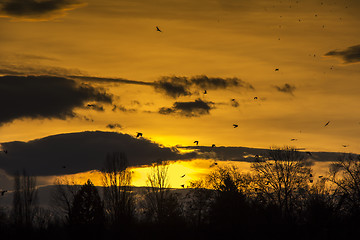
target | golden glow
[{"x": 193, "y": 170}]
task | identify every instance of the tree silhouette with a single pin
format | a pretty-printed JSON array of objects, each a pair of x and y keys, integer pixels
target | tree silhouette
[
  {"x": 87, "y": 208},
  {"x": 230, "y": 208},
  {"x": 63, "y": 196},
  {"x": 24, "y": 200},
  {"x": 118, "y": 198},
  {"x": 198, "y": 203},
  {"x": 282, "y": 179},
  {"x": 162, "y": 206},
  {"x": 345, "y": 175}
]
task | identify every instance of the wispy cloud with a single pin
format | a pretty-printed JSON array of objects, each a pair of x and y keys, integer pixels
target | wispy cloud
[
  {"x": 114, "y": 126},
  {"x": 349, "y": 55},
  {"x": 287, "y": 88}
]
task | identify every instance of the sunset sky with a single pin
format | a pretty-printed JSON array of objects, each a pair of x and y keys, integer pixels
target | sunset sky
[{"x": 279, "y": 69}]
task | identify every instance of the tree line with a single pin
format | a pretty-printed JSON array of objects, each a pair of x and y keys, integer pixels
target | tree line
[{"x": 279, "y": 198}]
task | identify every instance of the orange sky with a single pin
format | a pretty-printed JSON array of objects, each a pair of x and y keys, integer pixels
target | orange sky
[{"x": 246, "y": 40}]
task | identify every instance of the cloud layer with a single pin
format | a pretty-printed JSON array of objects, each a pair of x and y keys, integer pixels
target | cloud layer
[
  {"x": 349, "y": 55},
  {"x": 79, "y": 152},
  {"x": 45, "y": 97}
]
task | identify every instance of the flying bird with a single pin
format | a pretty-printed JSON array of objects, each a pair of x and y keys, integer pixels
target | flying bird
[
  {"x": 158, "y": 29},
  {"x": 196, "y": 142},
  {"x": 235, "y": 125},
  {"x": 183, "y": 176},
  {"x": 3, "y": 192},
  {"x": 213, "y": 145},
  {"x": 205, "y": 92},
  {"x": 293, "y": 139},
  {"x": 276, "y": 69},
  {"x": 139, "y": 134},
  {"x": 345, "y": 145},
  {"x": 309, "y": 153},
  {"x": 182, "y": 185},
  {"x": 327, "y": 123},
  {"x": 255, "y": 97},
  {"x": 213, "y": 164}
]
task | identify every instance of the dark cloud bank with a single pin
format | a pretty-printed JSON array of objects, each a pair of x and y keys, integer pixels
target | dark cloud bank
[
  {"x": 82, "y": 151},
  {"x": 349, "y": 55},
  {"x": 45, "y": 97}
]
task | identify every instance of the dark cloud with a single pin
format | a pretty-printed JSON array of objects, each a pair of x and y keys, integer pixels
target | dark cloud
[
  {"x": 287, "y": 88},
  {"x": 113, "y": 125},
  {"x": 123, "y": 109},
  {"x": 45, "y": 97},
  {"x": 34, "y": 9},
  {"x": 349, "y": 55},
  {"x": 189, "y": 109},
  {"x": 83, "y": 151},
  {"x": 205, "y": 82},
  {"x": 175, "y": 87}
]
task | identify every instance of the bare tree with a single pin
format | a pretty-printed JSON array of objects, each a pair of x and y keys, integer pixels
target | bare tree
[
  {"x": 282, "y": 178},
  {"x": 198, "y": 202},
  {"x": 63, "y": 196},
  {"x": 24, "y": 201},
  {"x": 161, "y": 205},
  {"x": 345, "y": 175},
  {"x": 118, "y": 197}
]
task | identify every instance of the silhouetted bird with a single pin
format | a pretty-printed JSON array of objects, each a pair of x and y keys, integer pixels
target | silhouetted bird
[
  {"x": 139, "y": 134},
  {"x": 3, "y": 192},
  {"x": 91, "y": 105},
  {"x": 183, "y": 176},
  {"x": 327, "y": 123},
  {"x": 63, "y": 166},
  {"x": 309, "y": 153},
  {"x": 293, "y": 139},
  {"x": 311, "y": 175},
  {"x": 233, "y": 99},
  {"x": 320, "y": 176},
  {"x": 311, "y": 180},
  {"x": 196, "y": 142},
  {"x": 235, "y": 125},
  {"x": 213, "y": 164},
  {"x": 255, "y": 97},
  {"x": 158, "y": 29},
  {"x": 345, "y": 145},
  {"x": 205, "y": 92},
  {"x": 182, "y": 185},
  {"x": 276, "y": 69},
  {"x": 213, "y": 145}
]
